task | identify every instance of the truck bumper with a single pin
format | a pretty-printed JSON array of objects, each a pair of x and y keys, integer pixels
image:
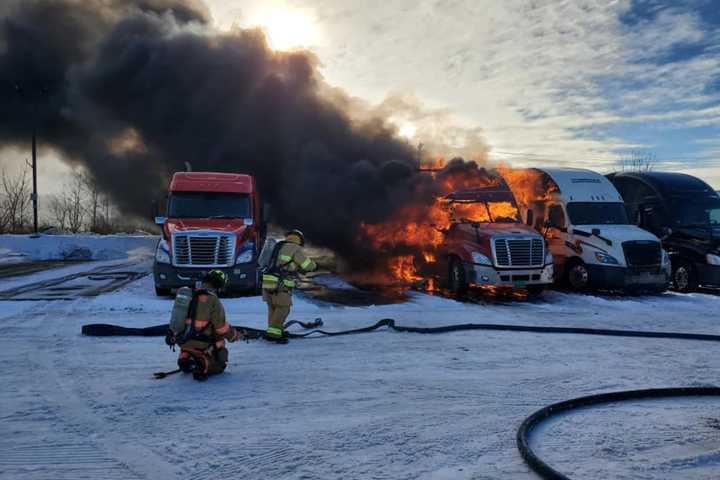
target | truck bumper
[
  {"x": 619, "y": 278},
  {"x": 482, "y": 275},
  {"x": 708, "y": 275},
  {"x": 240, "y": 277}
]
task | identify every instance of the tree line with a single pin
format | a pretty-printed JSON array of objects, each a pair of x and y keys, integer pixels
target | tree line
[{"x": 80, "y": 206}]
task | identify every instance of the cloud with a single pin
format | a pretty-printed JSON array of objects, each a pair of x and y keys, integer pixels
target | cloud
[{"x": 543, "y": 77}]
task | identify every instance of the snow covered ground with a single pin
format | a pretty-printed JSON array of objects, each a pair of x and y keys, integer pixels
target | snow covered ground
[{"x": 372, "y": 406}]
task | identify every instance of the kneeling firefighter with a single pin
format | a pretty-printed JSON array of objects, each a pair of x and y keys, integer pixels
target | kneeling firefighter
[
  {"x": 199, "y": 326},
  {"x": 279, "y": 279}
]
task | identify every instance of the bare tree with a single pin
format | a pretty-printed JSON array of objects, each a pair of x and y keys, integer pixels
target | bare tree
[
  {"x": 14, "y": 202},
  {"x": 638, "y": 161},
  {"x": 59, "y": 211},
  {"x": 94, "y": 197},
  {"x": 74, "y": 203}
]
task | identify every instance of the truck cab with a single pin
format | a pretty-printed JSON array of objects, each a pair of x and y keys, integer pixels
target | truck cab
[
  {"x": 486, "y": 245},
  {"x": 583, "y": 219},
  {"x": 684, "y": 212},
  {"x": 213, "y": 221}
]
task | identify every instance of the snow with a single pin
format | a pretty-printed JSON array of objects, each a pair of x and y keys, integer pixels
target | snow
[
  {"x": 76, "y": 247},
  {"x": 378, "y": 405}
]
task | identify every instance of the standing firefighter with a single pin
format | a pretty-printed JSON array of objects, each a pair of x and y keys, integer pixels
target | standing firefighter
[
  {"x": 202, "y": 338},
  {"x": 279, "y": 279}
]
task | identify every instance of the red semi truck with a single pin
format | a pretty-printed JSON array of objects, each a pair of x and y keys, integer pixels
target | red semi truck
[
  {"x": 486, "y": 245},
  {"x": 213, "y": 221}
]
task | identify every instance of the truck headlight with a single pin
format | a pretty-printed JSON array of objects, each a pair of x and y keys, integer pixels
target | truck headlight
[
  {"x": 712, "y": 259},
  {"x": 549, "y": 259},
  {"x": 665, "y": 258},
  {"x": 480, "y": 259},
  {"x": 606, "y": 259},
  {"x": 247, "y": 253},
  {"x": 245, "y": 256},
  {"x": 162, "y": 253}
]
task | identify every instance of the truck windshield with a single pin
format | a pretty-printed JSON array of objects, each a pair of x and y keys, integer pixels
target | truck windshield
[
  {"x": 690, "y": 214},
  {"x": 597, "y": 213},
  {"x": 208, "y": 205},
  {"x": 498, "y": 212}
]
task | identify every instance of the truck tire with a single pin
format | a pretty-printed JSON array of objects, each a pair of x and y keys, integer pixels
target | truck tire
[
  {"x": 456, "y": 277},
  {"x": 162, "y": 292},
  {"x": 684, "y": 277},
  {"x": 577, "y": 276}
]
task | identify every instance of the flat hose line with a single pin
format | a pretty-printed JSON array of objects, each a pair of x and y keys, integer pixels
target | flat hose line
[{"x": 523, "y": 433}]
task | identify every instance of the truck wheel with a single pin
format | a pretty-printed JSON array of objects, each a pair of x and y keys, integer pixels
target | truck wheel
[
  {"x": 535, "y": 289},
  {"x": 684, "y": 277},
  {"x": 456, "y": 276},
  {"x": 162, "y": 292},
  {"x": 578, "y": 276}
]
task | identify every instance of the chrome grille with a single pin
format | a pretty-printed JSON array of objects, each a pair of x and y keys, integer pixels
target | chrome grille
[
  {"x": 519, "y": 252},
  {"x": 203, "y": 249}
]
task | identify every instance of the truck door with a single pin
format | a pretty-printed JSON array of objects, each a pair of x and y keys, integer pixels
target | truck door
[{"x": 556, "y": 232}]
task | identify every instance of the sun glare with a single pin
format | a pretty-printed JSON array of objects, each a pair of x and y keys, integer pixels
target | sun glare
[{"x": 287, "y": 29}]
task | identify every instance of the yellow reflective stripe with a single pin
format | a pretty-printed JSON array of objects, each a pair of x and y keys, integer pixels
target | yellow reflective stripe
[
  {"x": 289, "y": 283},
  {"x": 269, "y": 278},
  {"x": 285, "y": 258},
  {"x": 274, "y": 331},
  {"x": 306, "y": 263}
]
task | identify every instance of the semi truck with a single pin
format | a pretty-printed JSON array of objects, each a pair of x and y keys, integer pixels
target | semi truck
[
  {"x": 583, "y": 219},
  {"x": 486, "y": 245},
  {"x": 212, "y": 221},
  {"x": 684, "y": 212}
]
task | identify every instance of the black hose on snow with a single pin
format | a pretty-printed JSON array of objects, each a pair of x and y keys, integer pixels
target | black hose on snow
[
  {"x": 105, "y": 330},
  {"x": 546, "y": 471}
]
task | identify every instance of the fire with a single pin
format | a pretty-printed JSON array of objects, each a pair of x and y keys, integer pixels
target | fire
[
  {"x": 527, "y": 185},
  {"x": 416, "y": 230}
]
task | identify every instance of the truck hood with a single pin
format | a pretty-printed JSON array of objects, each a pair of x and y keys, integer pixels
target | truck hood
[
  {"x": 492, "y": 229},
  {"x": 229, "y": 225},
  {"x": 620, "y": 233}
]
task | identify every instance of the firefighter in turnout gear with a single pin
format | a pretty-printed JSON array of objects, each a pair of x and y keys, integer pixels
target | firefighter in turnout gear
[
  {"x": 202, "y": 348},
  {"x": 278, "y": 282}
]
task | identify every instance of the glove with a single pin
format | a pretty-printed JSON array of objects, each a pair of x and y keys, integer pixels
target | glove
[
  {"x": 170, "y": 339},
  {"x": 240, "y": 334}
]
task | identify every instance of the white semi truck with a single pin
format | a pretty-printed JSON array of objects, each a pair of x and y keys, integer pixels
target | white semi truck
[{"x": 583, "y": 219}]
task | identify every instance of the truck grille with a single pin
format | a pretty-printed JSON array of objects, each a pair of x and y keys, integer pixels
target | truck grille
[
  {"x": 642, "y": 253},
  {"x": 203, "y": 250},
  {"x": 519, "y": 252}
]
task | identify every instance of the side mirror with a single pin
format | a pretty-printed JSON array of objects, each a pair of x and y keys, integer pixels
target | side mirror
[
  {"x": 160, "y": 220},
  {"x": 666, "y": 232},
  {"x": 595, "y": 231},
  {"x": 530, "y": 218}
]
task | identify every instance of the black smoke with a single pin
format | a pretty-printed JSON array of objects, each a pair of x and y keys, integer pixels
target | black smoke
[{"x": 132, "y": 90}]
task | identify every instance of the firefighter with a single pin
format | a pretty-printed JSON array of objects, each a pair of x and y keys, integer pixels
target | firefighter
[
  {"x": 202, "y": 348},
  {"x": 278, "y": 282}
]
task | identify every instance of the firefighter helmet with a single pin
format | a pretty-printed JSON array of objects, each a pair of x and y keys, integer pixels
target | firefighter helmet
[
  {"x": 216, "y": 278},
  {"x": 298, "y": 234}
]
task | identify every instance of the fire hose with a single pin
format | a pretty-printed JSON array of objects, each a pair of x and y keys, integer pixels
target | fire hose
[{"x": 528, "y": 425}]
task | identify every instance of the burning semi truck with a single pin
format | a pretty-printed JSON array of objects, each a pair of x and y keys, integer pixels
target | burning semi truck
[
  {"x": 486, "y": 245},
  {"x": 213, "y": 221},
  {"x": 468, "y": 234}
]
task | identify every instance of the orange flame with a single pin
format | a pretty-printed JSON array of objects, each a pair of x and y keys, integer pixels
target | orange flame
[{"x": 418, "y": 229}]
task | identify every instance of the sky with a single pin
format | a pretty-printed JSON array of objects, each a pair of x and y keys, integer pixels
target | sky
[{"x": 582, "y": 83}]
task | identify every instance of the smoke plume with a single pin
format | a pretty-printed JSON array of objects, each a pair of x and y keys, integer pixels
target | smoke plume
[{"x": 133, "y": 89}]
